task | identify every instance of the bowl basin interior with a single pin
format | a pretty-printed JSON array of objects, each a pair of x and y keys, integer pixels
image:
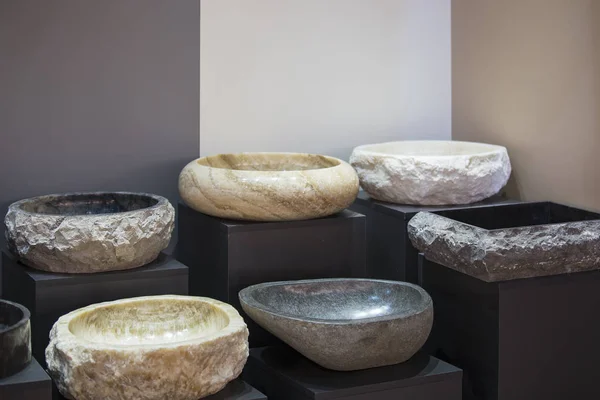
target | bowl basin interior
[
  {"x": 268, "y": 161},
  {"x": 88, "y": 203},
  {"x": 431, "y": 148},
  {"x": 339, "y": 300},
  {"x": 9, "y": 316},
  {"x": 149, "y": 322}
]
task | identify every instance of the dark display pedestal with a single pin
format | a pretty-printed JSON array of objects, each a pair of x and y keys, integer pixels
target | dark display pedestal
[
  {"x": 226, "y": 256},
  {"x": 235, "y": 390},
  {"x": 283, "y": 374},
  {"x": 32, "y": 383},
  {"x": 49, "y": 296},
  {"x": 390, "y": 254},
  {"x": 238, "y": 390},
  {"x": 524, "y": 339}
]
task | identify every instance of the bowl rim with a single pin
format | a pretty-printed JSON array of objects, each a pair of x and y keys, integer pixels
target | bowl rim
[
  {"x": 236, "y": 323},
  {"x": 26, "y": 316},
  {"x": 423, "y": 305},
  {"x": 17, "y": 205},
  {"x": 366, "y": 149},
  {"x": 340, "y": 162}
]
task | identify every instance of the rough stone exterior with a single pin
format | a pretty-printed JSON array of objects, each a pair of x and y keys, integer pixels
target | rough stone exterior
[
  {"x": 505, "y": 254},
  {"x": 186, "y": 370},
  {"x": 89, "y": 243},
  {"x": 430, "y": 180}
]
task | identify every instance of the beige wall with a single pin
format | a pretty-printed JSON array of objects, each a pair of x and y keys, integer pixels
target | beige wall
[
  {"x": 526, "y": 74},
  {"x": 322, "y": 76}
]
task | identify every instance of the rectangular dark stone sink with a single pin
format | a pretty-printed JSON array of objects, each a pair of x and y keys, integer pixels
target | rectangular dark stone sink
[{"x": 515, "y": 241}]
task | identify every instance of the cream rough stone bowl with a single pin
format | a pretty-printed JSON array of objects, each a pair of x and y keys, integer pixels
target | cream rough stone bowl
[
  {"x": 89, "y": 232},
  {"x": 268, "y": 186},
  {"x": 344, "y": 324},
  {"x": 431, "y": 172},
  {"x": 147, "y": 348}
]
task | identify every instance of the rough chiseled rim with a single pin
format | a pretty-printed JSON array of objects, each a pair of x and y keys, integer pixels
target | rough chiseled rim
[
  {"x": 236, "y": 323},
  {"x": 494, "y": 149},
  {"x": 21, "y": 322},
  {"x": 17, "y": 206},
  {"x": 270, "y": 154},
  {"x": 245, "y": 296}
]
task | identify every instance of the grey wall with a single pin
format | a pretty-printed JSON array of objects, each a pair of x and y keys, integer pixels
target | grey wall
[{"x": 97, "y": 95}]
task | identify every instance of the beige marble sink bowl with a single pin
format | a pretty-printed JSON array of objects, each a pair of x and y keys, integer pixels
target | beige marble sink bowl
[
  {"x": 150, "y": 348},
  {"x": 431, "y": 172},
  {"x": 268, "y": 186}
]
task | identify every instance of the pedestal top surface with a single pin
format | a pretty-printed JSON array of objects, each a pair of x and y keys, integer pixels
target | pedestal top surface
[{"x": 313, "y": 380}]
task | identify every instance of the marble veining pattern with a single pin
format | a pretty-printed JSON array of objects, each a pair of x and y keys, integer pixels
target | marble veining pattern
[
  {"x": 344, "y": 324},
  {"x": 431, "y": 172},
  {"x": 268, "y": 186},
  {"x": 147, "y": 348},
  {"x": 89, "y": 232}
]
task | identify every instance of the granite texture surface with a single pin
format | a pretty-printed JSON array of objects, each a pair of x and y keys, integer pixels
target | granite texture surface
[
  {"x": 268, "y": 186},
  {"x": 344, "y": 324},
  {"x": 147, "y": 348},
  {"x": 15, "y": 338},
  {"x": 431, "y": 172},
  {"x": 89, "y": 232},
  {"x": 506, "y": 254}
]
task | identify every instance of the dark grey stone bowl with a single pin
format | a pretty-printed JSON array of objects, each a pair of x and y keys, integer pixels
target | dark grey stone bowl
[
  {"x": 89, "y": 232},
  {"x": 15, "y": 338},
  {"x": 344, "y": 324}
]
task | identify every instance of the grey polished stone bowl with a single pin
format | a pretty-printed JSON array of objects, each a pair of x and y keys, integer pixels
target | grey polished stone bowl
[
  {"x": 344, "y": 324},
  {"x": 15, "y": 338},
  {"x": 89, "y": 232}
]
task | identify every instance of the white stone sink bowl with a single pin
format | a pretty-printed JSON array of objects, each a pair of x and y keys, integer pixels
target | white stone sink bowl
[
  {"x": 431, "y": 172},
  {"x": 89, "y": 232},
  {"x": 268, "y": 186},
  {"x": 150, "y": 348},
  {"x": 344, "y": 324}
]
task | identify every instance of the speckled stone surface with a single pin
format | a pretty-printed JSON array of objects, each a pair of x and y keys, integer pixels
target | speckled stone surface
[
  {"x": 268, "y": 186},
  {"x": 15, "y": 338},
  {"x": 344, "y": 324},
  {"x": 431, "y": 172},
  {"x": 89, "y": 232},
  {"x": 147, "y": 348},
  {"x": 505, "y": 254}
]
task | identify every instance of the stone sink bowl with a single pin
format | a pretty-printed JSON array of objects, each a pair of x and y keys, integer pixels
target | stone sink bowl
[
  {"x": 268, "y": 186},
  {"x": 89, "y": 232},
  {"x": 151, "y": 348},
  {"x": 15, "y": 338},
  {"x": 431, "y": 172},
  {"x": 344, "y": 324}
]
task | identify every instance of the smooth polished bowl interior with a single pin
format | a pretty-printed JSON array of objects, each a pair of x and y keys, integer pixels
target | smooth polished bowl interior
[
  {"x": 15, "y": 338},
  {"x": 89, "y": 232},
  {"x": 158, "y": 347},
  {"x": 431, "y": 172},
  {"x": 268, "y": 186},
  {"x": 154, "y": 321},
  {"x": 344, "y": 324}
]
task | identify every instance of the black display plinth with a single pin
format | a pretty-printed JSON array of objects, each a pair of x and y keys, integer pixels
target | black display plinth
[
  {"x": 283, "y": 374},
  {"x": 32, "y": 383},
  {"x": 235, "y": 390},
  {"x": 49, "y": 296},
  {"x": 524, "y": 339},
  {"x": 390, "y": 254},
  {"x": 226, "y": 256}
]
